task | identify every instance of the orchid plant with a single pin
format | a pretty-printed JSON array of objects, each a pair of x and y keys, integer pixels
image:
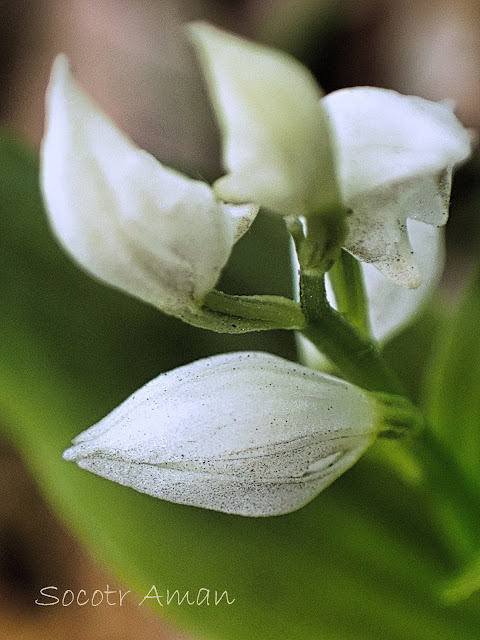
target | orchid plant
[{"x": 362, "y": 180}]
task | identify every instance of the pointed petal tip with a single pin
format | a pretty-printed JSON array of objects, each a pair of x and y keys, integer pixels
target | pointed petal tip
[
  {"x": 61, "y": 63},
  {"x": 449, "y": 103},
  {"x": 203, "y": 33},
  {"x": 241, "y": 217},
  {"x": 70, "y": 454},
  {"x": 60, "y": 75},
  {"x": 204, "y": 36},
  {"x": 199, "y": 27},
  {"x": 81, "y": 451}
]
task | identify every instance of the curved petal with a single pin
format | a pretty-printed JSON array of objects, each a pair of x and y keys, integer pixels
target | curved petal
[
  {"x": 392, "y": 306},
  {"x": 396, "y": 154},
  {"x": 384, "y": 138},
  {"x": 123, "y": 216},
  {"x": 244, "y": 433},
  {"x": 276, "y": 139}
]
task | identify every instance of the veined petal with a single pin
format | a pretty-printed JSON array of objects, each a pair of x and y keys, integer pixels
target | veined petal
[
  {"x": 244, "y": 433},
  {"x": 395, "y": 160},
  {"x": 276, "y": 139},
  {"x": 123, "y": 216}
]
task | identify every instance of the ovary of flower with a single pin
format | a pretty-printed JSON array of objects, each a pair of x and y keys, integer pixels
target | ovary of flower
[
  {"x": 244, "y": 433},
  {"x": 123, "y": 216},
  {"x": 391, "y": 156}
]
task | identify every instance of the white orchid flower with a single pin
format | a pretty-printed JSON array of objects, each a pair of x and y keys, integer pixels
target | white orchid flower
[
  {"x": 244, "y": 433},
  {"x": 395, "y": 160},
  {"x": 130, "y": 221},
  {"x": 394, "y": 153}
]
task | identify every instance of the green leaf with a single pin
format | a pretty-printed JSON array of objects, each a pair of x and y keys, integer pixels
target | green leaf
[
  {"x": 453, "y": 409},
  {"x": 410, "y": 351},
  {"x": 358, "y": 562},
  {"x": 453, "y": 393}
]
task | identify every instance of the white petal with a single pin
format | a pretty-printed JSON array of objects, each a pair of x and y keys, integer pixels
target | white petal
[
  {"x": 384, "y": 137},
  {"x": 395, "y": 154},
  {"x": 241, "y": 216},
  {"x": 392, "y": 306},
  {"x": 128, "y": 220},
  {"x": 244, "y": 433},
  {"x": 378, "y": 225},
  {"x": 276, "y": 144},
  {"x": 379, "y": 236}
]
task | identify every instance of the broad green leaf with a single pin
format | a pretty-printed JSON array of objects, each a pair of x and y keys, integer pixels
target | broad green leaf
[
  {"x": 453, "y": 393},
  {"x": 360, "y": 562},
  {"x": 409, "y": 352}
]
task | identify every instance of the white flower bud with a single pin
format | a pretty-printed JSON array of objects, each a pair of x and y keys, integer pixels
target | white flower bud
[
  {"x": 128, "y": 220},
  {"x": 244, "y": 433},
  {"x": 395, "y": 160}
]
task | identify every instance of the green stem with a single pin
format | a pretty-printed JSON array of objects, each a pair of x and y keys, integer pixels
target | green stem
[
  {"x": 349, "y": 291},
  {"x": 355, "y": 355},
  {"x": 454, "y": 501}
]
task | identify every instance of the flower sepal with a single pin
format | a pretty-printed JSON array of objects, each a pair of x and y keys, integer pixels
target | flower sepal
[{"x": 277, "y": 146}]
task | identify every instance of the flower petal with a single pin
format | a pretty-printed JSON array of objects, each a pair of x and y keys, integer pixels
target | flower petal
[
  {"x": 244, "y": 433},
  {"x": 392, "y": 306},
  {"x": 384, "y": 138},
  {"x": 276, "y": 143},
  {"x": 396, "y": 154},
  {"x": 124, "y": 217}
]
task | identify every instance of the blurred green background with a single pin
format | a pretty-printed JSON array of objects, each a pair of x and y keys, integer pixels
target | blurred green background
[{"x": 364, "y": 560}]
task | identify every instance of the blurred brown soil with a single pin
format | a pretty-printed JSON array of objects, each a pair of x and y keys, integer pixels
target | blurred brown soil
[{"x": 35, "y": 552}]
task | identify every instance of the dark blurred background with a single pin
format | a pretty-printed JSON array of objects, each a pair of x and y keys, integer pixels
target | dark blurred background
[{"x": 133, "y": 58}]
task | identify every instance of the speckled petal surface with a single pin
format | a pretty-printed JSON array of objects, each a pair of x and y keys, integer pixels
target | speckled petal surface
[{"x": 246, "y": 433}]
